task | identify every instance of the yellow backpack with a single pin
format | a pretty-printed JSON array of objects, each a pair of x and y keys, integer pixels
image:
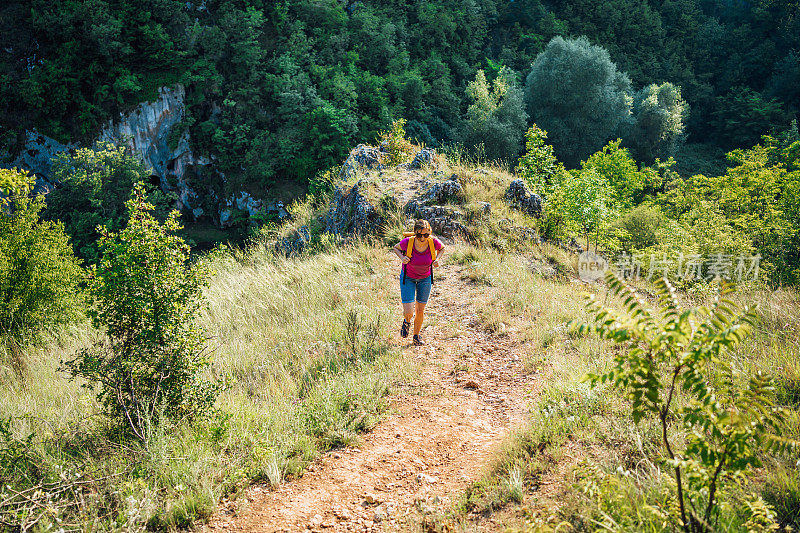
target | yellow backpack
[
  {"x": 431, "y": 246},
  {"x": 412, "y": 236}
]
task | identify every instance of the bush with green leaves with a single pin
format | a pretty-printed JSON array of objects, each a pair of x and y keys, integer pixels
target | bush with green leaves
[
  {"x": 639, "y": 228},
  {"x": 496, "y": 116},
  {"x": 146, "y": 297},
  {"x": 659, "y": 118},
  {"x": 538, "y": 165},
  {"x": 398, "y": 148},
  {"x": 630, "y": 183},
  {"x": 756, "y": 202},
  {"x": 39, "y": 274},
  {"x": 575, "y": 92},
  {"x": 586, "y": 201},
  {"x": 93, "y": 184},
  {"x": 675, "y": 371}
]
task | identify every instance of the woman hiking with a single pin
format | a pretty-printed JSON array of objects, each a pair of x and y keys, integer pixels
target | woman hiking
[{"x": 416, "y": 276}]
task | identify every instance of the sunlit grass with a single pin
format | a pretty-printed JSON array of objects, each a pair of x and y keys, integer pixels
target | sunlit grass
[
  {"x": 608, "y": 470},
  {"x": 302, "y": 345}
]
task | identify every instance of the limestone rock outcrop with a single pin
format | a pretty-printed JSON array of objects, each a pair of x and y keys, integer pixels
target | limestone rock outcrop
[
  {"x": 360, "y": 209},
  {"x": 362, "y": 158},
  {"x": 149, "y": 132},
  {"x": 423, "y": 158},
  {"x": 518, "y": 195},
  {"x": 146, "y": 131},
  {"x": 294, "y": 243},
  {"x": 444, "y": 220},
  {"x": 353, "y": 211}
]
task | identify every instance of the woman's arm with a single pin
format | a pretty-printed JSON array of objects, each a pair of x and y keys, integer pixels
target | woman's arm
[
  {"x": 439, "y": 253},
  {"x": 399, "y": 252}
]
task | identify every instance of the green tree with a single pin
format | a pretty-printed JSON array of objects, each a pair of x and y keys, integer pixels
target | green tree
[
  {"x": 538, "y": 164},
  {"x": 331, "y": 132},
  {"x": 93, "y": 184},
  {"x": 629, "y": 183},
  {"x": 146, "y": 297},
  {"x": 586, "y": 197},
  {"x": 743, "y": 115},
  {"x": 39, "y": 274},
  {"x": 659, "y": 117},
  {"x": 496, "y": 115},
  {"x": 575, "y": 92}
]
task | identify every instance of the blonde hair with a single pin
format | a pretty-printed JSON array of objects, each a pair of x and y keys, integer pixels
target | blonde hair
[{"x": 422, "y": 224}]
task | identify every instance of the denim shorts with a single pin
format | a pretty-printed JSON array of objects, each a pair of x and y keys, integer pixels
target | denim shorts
[{"x": 419, "y": 288}]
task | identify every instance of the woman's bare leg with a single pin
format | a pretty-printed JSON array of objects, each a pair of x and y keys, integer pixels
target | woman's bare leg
[
  {"x": 419, "y": 317},
  {"x": 408, "y": 311}
]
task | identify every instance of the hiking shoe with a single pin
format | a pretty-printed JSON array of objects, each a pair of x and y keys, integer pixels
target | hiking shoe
[
  {"x": 404, "y": 328},
  {"x": 418, "y": 341}
]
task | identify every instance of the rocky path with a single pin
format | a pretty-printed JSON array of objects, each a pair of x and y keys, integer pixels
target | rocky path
[{"x": 440, "y": 432}]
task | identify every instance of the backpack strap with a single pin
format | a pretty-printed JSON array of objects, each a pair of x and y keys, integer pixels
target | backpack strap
[{"x": 409, "y": 251}]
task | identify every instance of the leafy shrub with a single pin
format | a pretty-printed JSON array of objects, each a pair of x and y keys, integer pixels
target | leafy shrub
[
  {"x": 39, "y": 274},
  {"x": 398, "y": 148},
  {"x": 639, "y": 227},
  {"x": 672, "y": 352},
  {"x": 93, "y": 186},
  {"x": 629, "y": 183},
  {"x": 538, "y": 165},
  {"x": 756, "y": 202},
  {"x": 575, "y": 92},
  {"x": 147, "y": 297},
  {"x": 586, "y": 201},
  {"x": 659, "y": 116}
]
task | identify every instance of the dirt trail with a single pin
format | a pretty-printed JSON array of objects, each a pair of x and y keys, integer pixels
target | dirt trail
[{"x": 438, "y": 436}]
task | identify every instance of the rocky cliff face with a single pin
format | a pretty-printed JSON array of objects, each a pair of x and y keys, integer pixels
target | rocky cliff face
[
  {"x": 147, "y": 131},
  {"x": 37, "y": 156}
]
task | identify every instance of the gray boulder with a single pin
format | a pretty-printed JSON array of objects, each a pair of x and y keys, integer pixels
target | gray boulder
[
  {"x": 352, "y": 212},
  {"x": 518, "y": 195},
  {"x": 425, "y": 157},
  {"x": 440, "y": 192},
  {"x": 294, "y": 243},
  {"x": 362, "y": 157},
  {"x": 444, "y": 221},
  {"x": 449, "y": 227}
]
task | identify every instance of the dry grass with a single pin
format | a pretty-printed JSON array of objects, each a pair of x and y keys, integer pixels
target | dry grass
[
  {"x": 303, "y": 346},
  {"x": 578, "y": 435}
]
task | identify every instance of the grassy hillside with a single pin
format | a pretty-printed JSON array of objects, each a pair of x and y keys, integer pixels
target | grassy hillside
[
  {"x": 302, "y": 345},
  {"x": 580, "y": 463}
]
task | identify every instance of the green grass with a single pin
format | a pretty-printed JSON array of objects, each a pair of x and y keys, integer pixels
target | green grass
[
  {"x": 303, "y": 346},
  {"x": 602, "y": 471}
]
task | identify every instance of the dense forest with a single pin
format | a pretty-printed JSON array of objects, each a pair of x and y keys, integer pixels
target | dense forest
[{"x": 280, "y": 90}]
